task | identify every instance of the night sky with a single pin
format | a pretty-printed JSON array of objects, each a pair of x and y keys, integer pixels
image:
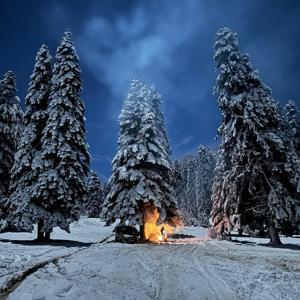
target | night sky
[{"x": 167, "y": 43}]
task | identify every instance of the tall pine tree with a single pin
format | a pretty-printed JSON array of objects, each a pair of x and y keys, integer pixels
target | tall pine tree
[
  {"x": 28, "y": 160},
  {"x": 257, "y": 179},
  {"x": 61, "y": 188},
  {"x": 141, "y": 168},
  {"x": 10, "y": 128}
]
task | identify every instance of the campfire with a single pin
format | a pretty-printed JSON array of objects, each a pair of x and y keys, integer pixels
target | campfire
[{"x": 154, "y": 230}]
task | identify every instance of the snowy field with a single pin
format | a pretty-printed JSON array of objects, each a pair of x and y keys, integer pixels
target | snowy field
[{"x": 86, "y": 264}]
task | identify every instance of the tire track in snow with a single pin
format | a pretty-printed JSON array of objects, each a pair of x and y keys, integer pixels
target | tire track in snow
[
  {"x": 11, "y": 284},
  {"x": 220, "y": 289},
  {"x": 14, "y": 282},
  {"x": 168, "y": 282},
  {"x": 203, "y": 284}
]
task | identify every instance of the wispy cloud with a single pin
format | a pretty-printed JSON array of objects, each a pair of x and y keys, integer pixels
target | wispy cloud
[
  {"x": 99, "y": 157},
  {"x": 139, "y": 44},
  {"x": 186, "y": 140}
]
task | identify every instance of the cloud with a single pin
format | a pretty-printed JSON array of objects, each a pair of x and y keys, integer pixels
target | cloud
[
  {"x": 186, "y": 140},
  {"x": 99, "y": 157},
  {"x": 141, "y": 44}
]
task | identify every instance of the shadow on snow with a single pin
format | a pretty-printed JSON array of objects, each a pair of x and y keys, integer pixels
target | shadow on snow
[{"x": 58, "y": 243}]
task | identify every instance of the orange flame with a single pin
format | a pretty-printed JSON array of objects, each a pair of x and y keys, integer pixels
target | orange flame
[{"x": 152, "y": 231}]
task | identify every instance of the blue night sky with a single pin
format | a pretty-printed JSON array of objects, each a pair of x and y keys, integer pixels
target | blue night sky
[{"x": 167, "y": 43}]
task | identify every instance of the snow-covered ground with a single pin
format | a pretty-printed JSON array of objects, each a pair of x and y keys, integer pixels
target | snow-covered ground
[
  {"x": 189, "y": 268},
  {"x": 18, "y": 255}
]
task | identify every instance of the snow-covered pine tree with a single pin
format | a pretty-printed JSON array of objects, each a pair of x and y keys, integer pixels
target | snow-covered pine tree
[
  {"x": 293, "y": 118},
  {"x": 95, "y": 194},
  {"x": 257, "y": 179},
  {"x": 28, "y": 163},
  {"x": 10, "y": 127},
  {"x": 141, "y": 172},
  {"x": 59, "y": 191}
]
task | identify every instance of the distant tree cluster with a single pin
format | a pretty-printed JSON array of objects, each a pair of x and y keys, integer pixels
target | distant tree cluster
[
  {"x": 257, "y": 179},
  {"x": 193, "y": 177},
  {"x": 291, "y": 117},
  {"x": 96, "y": 193}
]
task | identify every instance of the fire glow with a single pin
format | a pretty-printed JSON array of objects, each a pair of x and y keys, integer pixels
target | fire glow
[{"x": 152, "y": 231}]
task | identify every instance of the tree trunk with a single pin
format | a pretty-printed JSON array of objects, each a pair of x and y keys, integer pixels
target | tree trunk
[
  {"x": 274, "y": 236},
  {"x": 142, "y": 227},
  {"x": 40, "y": 233},
  {"x": 212, "y": 234},
  {"x": 142, "y": 233},
  {"x": 47, "y": 236},
  {"x": 240, "y": 232}
]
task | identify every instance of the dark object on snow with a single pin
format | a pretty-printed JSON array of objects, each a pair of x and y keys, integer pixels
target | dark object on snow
[
  {"x": 126, "y": 234},
  {"x": 182, "y": 236},
  {"x": 164, "y": 234}
]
